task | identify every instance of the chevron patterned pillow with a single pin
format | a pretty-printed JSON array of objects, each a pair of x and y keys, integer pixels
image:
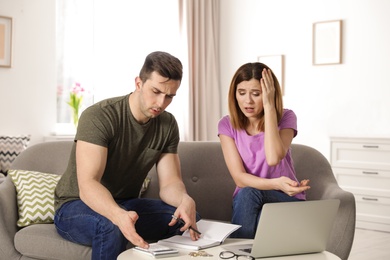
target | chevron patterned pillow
[
  {"x": 10, "y": 147},
  {"x": 35, "y": 195}
]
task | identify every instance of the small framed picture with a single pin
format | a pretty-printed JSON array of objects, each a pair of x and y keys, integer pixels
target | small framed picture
[
  {"x": 327, "y": 42},
  {"x": 5, "y": 41},
  {"x": 275, "y": 63}
]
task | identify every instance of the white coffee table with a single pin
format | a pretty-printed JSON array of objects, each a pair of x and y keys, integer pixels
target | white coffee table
[{"x": 184, "y": 254}]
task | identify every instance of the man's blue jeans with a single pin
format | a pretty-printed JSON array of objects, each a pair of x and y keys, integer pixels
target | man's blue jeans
[
  {"x": 76, "y": 222},
  {"x": 247, "y": 206}
]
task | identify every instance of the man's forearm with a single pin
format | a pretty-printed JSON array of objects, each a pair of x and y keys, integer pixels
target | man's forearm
[
  {"x": 174, "y": 194},
  {"x": 98, "y": 198}
]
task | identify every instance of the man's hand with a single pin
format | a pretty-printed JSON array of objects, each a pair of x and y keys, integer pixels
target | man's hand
[
  {"x": 187, "y": 212},
  {"x": 126, "y": 223}
]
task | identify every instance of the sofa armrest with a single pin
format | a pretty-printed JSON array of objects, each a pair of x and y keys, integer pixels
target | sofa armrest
[
  {"x": 343, "y": 232},
  {"x": 8, "y": 218}
]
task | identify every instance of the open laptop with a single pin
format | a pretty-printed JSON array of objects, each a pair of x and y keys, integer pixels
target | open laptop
[{"x": 290, "y": 228}]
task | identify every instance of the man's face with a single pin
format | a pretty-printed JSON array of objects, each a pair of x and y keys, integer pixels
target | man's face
[{"x": 154, "y": 96}]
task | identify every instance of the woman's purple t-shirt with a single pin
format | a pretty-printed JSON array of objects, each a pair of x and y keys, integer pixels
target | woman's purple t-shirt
[{"x": 251, "y": 149}]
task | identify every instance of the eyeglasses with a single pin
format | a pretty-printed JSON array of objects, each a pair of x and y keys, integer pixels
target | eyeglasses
[{"x": 230, "y": 254}]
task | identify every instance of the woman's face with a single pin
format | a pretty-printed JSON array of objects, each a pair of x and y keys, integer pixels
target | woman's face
[{"x": 249, "y": 98}]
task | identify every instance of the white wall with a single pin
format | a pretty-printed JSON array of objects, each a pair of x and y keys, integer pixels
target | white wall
[
  {"x": 349, "y": 99},
  {"x": 28, "y": 89}
]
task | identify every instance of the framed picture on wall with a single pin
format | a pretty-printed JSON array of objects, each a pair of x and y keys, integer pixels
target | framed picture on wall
[
  {"x": 5, "y": 41},
  {"x": 275, "y": 63},
  {"x": 327, "y": 42}
]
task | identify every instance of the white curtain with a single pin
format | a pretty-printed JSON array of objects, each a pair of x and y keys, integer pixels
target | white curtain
[
  {"x": 74, "y": 53},
  {"x": 200, "y": 27}
]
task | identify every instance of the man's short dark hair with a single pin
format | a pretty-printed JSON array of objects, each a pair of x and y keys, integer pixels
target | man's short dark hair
[{"x": 164, "y": 64}]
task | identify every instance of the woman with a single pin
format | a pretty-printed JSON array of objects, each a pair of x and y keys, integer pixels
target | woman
[{"x": 256, "y": 140}]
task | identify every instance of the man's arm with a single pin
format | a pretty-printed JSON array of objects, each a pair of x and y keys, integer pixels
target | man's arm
[
  {"x": 91, "y": 161},
  {"x": 173, "y": 191}
]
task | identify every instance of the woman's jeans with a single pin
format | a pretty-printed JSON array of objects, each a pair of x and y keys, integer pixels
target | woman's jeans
[
  {"x": 76, "y": 222},
  {"x": 247, "y": 206}
]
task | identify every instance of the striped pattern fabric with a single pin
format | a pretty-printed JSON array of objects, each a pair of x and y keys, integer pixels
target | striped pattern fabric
[
  {"x": 10, "y": 148},
  {"x": 35, "y": 195}
]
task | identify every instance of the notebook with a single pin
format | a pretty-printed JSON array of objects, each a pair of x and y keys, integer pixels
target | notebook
[
  {"x": 214, "y": 233},
  {"x": 290, "y": 228}
]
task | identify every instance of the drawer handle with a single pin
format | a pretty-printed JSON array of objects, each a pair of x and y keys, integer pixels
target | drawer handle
[
  {"x": 372, "y": 173},
  {"x": 370, "y": 199},
  {"x": 370, "y": 146}
]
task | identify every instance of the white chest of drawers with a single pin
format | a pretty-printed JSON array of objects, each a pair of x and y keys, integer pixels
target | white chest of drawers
[{"x": 362, "y": 166}]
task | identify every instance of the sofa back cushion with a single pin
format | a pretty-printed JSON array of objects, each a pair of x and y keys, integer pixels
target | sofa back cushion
[
  {"x": 49, "y": 157},
  {"x": 206, "y": 178}
]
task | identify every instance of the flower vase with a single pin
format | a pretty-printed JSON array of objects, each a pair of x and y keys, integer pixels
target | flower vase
[
  {"x": 75, "y": 101},
  {"x": 75, "y": 117}
]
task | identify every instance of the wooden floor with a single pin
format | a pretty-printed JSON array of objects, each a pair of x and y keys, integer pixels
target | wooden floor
[{"x": 370, "y": 245}]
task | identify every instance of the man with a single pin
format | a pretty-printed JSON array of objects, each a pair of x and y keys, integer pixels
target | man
[{"x": 118, "y": 140}]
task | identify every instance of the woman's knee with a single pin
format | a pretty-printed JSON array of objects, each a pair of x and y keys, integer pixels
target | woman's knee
[{"x": 248, "y": 194}]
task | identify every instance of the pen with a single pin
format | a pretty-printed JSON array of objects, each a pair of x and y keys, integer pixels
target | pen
[{"x": 182, "y": 222}]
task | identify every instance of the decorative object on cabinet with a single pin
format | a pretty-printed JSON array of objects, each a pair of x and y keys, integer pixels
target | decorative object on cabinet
[
  {"x": 5, "y": 41},
  {"x": 327, "y": 42},
  {"x": 362, "y": 166}
]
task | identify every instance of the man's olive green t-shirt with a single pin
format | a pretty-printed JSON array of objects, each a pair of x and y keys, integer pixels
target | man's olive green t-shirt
[{"x": 133, "y": 148}]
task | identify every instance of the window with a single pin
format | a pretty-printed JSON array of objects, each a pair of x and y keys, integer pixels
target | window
[{"x": 102, "y": 45}]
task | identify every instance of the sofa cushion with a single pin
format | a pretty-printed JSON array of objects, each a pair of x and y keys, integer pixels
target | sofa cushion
[
  {"x": 35, "y": 196},
  {"x": 43, "y": 242},
  {"x": 10, "y": 148}
]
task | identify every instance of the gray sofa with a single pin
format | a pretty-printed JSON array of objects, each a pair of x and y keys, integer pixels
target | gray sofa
[{"x": 207, "y": 181}]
